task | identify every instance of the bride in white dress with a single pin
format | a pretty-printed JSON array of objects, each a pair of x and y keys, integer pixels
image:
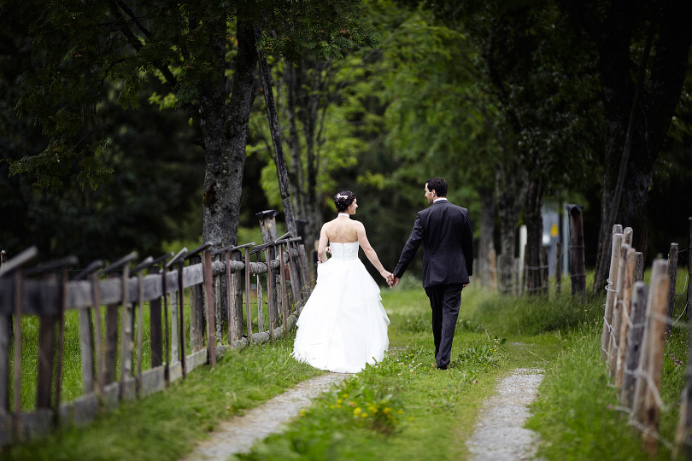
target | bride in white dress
[{"x": 343, "y": 325}]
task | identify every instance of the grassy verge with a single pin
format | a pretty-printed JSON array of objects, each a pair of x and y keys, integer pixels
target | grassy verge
[
  {"x": 578, "y": 413},
  {"x": 167, "y": 425}
]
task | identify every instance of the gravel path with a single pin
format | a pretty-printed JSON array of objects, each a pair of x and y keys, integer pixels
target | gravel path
[
  {"x": 240, "y": 433},
  {"x": 500, "y": 434}
]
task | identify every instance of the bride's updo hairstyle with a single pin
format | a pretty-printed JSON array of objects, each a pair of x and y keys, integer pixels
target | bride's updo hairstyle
[{"x": 343, "y": 200}]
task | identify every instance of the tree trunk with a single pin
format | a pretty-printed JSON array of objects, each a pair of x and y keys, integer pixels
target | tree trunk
[
  {"x": 510, "y": 185},
  {"x": 487, "y": 232},
  {"x": 651, "y": 115},
  {"x": 534, "y": 237},
  {"x": 224, "y": 129},
  {"x": 279, "y": 159},
  {"x": 295, "y": 174}
]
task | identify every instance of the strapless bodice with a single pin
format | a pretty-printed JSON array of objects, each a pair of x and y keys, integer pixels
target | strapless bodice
[{"x": 344, "y": 250}]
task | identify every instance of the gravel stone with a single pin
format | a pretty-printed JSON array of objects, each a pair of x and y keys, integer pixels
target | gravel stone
[
  {"x": 240, "y": 433},
  {"x": 500, "y": 434}
]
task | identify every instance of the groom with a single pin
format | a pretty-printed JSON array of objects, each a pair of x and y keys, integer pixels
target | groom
[{"x": 445, "y": 231}]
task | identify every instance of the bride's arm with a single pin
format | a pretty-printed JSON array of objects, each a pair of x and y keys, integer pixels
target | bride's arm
[
  {"x": 370, "y": 252},
  {"x": 322, "y": 246}
]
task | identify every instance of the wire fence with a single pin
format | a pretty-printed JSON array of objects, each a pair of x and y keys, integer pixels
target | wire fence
[{"x": 638, "y": 319}]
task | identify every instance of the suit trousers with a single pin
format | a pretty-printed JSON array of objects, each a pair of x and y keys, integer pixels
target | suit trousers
[{"x": 445, "y": 301}]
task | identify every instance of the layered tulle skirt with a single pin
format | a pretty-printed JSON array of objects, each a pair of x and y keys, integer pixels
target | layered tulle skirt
[{"x": 343, "y": 325}]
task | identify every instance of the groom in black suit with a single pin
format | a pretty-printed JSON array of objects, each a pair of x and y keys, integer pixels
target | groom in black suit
[{"x": 445, "y": 231}]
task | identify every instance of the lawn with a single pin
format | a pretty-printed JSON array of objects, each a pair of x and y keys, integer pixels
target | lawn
[{"x": 403, "y": 408}]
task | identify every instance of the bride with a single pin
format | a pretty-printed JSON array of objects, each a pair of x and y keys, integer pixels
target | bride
[{"x": 343, "y": 325}]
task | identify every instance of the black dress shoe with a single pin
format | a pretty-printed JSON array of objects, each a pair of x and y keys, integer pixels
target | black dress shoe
[{"x": 442, "y": 368}]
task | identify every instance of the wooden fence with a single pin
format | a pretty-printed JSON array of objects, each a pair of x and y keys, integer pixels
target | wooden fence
[
  {"x": 110, "y": 303},
  {"x": 637, "y": 320}
]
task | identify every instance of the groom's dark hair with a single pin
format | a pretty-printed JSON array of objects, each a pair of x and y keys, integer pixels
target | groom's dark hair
[{"x": 439, "y": 185}]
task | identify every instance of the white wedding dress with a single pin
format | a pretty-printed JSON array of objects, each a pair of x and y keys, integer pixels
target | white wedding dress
[{"x": 343, "y": 325}]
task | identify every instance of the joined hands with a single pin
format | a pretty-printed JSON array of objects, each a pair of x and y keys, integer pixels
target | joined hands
[{"x": 392, "y": 280}]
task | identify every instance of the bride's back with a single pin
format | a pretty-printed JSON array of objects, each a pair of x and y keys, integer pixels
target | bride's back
[{"x": 342, "y": 230}]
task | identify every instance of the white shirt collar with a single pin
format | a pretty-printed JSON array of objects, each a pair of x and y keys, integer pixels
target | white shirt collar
[{"x": 440, "y": 198}]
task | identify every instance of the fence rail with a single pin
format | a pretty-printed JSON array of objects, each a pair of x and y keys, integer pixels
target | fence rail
[{"x": 110, "y": 305}]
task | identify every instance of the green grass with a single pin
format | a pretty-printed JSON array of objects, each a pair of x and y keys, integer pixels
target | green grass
[
  {"x": 434, "y": 411},
  {"x": 578, "y": 412},
  {"x": 166, "y": 425},
  {"x": 402, "y": 407}
]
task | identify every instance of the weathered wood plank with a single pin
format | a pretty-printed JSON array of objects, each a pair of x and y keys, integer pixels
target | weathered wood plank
[
  {"x": 208, "y": 292},
  {"x": 155, "y": 332},
  {"x": 42, "y": 297},
  {"x": 125, "y": 337},
  {"x": 5, "y": 322},
  {"x": 196, "y": 360},
  {"x": 230, "y": 301},
  {"x": 81, "y": 411},
  {"x": 36, "y": 424},
  {"x": 18, "y": 280},
  {"x": 181, "y": 315},
  {"x": 175, "y": 371},
  {"x": 61, "y": 341},
  {"x": 111, "y": 395},
  {"x": 140, "y": 332},
  {"x": 247, "y": 292},
  {"x": 98, "y": 337},
  {"x": 260, "y": 305},
  {"x": 175, "y": 354},
  {"x": 153, "y": 381}
]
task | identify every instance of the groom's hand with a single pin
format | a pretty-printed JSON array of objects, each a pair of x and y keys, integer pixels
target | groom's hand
[{"x": 395, "y": 280}]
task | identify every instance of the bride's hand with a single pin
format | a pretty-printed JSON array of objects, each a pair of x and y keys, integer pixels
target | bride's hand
[{"x": 386, "y": 274}]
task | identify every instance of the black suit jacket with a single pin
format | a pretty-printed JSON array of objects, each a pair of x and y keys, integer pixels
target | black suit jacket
[{"x": 445, "y": 231}]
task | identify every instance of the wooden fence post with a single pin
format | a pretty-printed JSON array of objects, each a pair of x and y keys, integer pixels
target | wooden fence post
[
  {"x": 657, "y": 324},
  {"x": 155, "y": 331},
  {"x": 639, "y": 267},
  {"x": 19, "y": 301},
  {"x": 627, "y": 236},
  {"x": 625, "y": 312},
  {"x": 139, "y": 314},
  {"x": 577, "y": 267},
  {"x": 610, "y": 294},
  {"x": 88, "y": 346},
  {"x": 271, "y": 290},
  {"x": 635, "y": 336},
  {"x": 230, "y": 299},
  {"x": 614, "y": 343},
  {"x": 208, "y": 292},
  {"x": 284, "y": 301},
  {"x": 126, "y": 334},
  {"x": 673, "y": 275},
  {"x": 46, "y": 340},
  {"x": 658, "y": 270},
  {"x": 248, "y": 313}
]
